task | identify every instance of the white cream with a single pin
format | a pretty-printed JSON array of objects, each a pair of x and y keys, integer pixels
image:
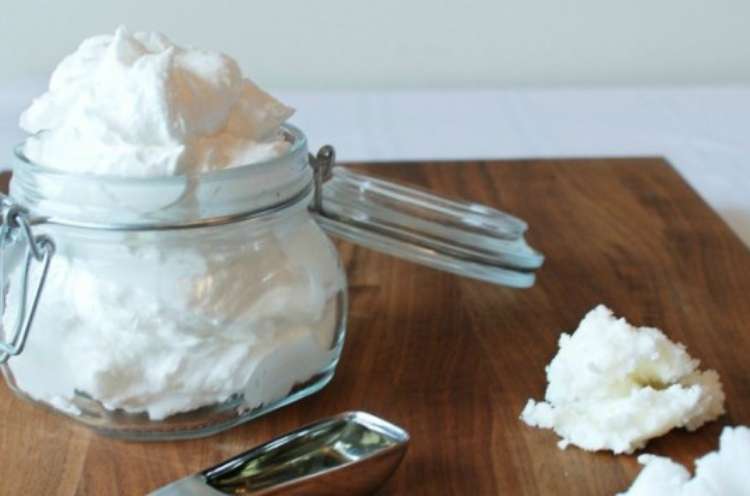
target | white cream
[
  {"x": 719, "y": 473},
  {"x": 163, "y": 322},
  {"x": 613, "y": 387},
  {"x": 139, "y": 105},
  {"x": 168, "y": 329}
]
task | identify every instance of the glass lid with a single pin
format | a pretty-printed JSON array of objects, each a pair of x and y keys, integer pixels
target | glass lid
[{"x": 460, "y": 237}]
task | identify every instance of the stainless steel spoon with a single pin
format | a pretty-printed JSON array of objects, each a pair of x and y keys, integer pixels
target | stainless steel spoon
[{"x": 350, "y": 454}]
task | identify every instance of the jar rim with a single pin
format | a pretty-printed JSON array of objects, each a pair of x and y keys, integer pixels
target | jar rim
[
  {"x": 291, "y": 133},
  {"x": 117, "y": 202}
]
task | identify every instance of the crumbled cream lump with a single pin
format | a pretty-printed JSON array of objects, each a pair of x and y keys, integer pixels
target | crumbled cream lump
[
  {"x": 725, "y": 472},
  {"x": 613, "y": 386}
]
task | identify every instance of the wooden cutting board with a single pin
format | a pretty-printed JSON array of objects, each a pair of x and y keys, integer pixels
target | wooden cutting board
[{"x": 454, "y": 360}]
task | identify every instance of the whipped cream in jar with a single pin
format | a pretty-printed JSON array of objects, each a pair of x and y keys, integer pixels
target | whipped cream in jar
[
  {"x": 160, "y": 317},
  {"x": 165, "y": 262}
]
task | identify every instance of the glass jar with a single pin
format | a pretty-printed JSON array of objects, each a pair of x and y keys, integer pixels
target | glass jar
[{"x": 176, "y": 307}]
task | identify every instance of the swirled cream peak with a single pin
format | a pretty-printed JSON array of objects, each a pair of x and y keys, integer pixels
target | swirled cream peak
[{"x": 139, "y": 105}]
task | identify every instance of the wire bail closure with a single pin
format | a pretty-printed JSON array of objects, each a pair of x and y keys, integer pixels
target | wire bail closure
[
  {"x": 40, "y": 249},
  {"x": 429, "y": 236},
  {"x": 322, "y": 165}
]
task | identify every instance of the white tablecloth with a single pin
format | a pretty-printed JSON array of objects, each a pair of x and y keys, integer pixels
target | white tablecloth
[{"x": 703, "y": 132}]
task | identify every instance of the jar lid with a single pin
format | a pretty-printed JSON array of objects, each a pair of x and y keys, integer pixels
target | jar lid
[
  {"x": 464, "y": 238},
  {"x": 460, "y": 237}
]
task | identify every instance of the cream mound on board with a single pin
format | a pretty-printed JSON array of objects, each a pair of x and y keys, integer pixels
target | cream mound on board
[
  {"x": 613, "y": 387},
  {"x": 139, "y": 105},
  {"x": 719, "y": 473},
  {"x": 163, "y": 322}
]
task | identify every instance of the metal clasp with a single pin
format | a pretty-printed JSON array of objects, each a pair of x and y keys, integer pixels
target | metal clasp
[
  {"x": 16, "y": 228},
  {"x": 322, "y": 164}
]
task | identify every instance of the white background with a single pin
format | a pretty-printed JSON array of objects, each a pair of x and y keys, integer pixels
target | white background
[
  {"x": 324, "y": 44},
  {"x": 392, "y": 80}
]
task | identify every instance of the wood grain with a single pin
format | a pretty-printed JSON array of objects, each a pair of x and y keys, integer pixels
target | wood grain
[{"x": 454, "y": 360}]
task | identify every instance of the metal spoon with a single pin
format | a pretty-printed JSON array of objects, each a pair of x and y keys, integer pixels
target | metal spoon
[{"x": 350, "y": 454}]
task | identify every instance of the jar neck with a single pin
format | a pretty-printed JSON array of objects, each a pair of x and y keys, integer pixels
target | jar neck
[{"x": 101, "y": 200}]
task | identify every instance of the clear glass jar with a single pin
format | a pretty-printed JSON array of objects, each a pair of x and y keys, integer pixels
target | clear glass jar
[{"x": 176, "y": 307}]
